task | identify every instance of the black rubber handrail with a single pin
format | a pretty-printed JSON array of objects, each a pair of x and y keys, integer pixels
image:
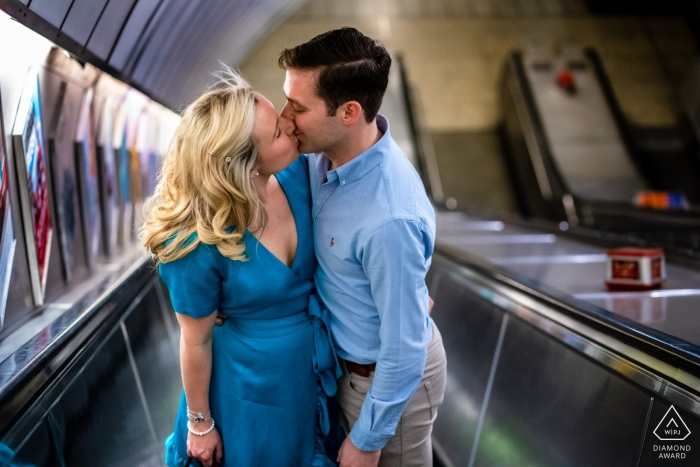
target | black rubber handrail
[
  {"x": 613, "y": 104},
  {"x": 416, "y": 138},
  {"x": 670, "y": 349},
  {"x": 37, "y": 364},
  {"x": 559, "y": 187}
]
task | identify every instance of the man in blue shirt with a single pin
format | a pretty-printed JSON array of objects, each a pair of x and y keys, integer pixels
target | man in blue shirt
[{"x": 374, "y": 231}]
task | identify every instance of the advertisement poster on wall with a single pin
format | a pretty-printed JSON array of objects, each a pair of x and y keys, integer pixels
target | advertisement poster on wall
[
  {"x": 153, "y": 162},
  {"x": 32, "y": 177},
  {"x": 143, "y": 148},
  {"x": 126, "y": 207},
  {"x": 86, "y": 163},
  {"x": 136, "y": 170},
  {"x": 8, "y": 242},
  {"x": 129, "y": 163},
  {"x": 107, "y": 174},
  {"x": 149, "y": 148},
  {"x": 62, "y": 100}
]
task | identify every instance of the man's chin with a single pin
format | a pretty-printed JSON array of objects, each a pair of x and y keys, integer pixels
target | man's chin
[{"x": 305, "y": 148}]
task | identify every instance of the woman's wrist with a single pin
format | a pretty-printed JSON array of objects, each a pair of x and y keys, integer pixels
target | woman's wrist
[
  {"x": 203, "y": 425},
  {"x": 198, "y": 416},
  {"x": 195, "y": 431}
]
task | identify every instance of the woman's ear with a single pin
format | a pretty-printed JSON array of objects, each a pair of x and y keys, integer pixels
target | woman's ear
[{"x": 350, "y": 112}]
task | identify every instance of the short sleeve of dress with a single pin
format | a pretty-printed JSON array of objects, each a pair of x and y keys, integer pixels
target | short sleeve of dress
[{"x": 194, "y": 282}]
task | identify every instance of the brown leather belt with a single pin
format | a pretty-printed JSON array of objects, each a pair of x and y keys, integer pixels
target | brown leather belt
[{"x": 361, "y": 370}]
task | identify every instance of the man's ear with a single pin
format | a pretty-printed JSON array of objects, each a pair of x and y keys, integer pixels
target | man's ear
[{"x": 350, "y": 112}]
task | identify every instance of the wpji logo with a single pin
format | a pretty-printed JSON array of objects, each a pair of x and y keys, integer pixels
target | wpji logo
[{"x": 672, "y": 427}]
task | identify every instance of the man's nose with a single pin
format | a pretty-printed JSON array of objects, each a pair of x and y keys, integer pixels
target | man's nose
[
  {"x": 287, "y": 124},
  {"x": 287, "y": 111}
]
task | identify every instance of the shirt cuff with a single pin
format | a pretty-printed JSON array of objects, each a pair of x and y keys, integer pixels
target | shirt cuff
[{"x": 366, "y": 440}]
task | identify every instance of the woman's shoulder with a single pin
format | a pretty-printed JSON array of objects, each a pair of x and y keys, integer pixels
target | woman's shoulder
[
  {"x": 202, "y": 252},
  {"x": 194, "y": 279}
]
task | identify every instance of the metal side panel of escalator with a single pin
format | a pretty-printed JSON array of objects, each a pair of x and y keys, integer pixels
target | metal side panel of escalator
[{"x": 536, "y": 379}]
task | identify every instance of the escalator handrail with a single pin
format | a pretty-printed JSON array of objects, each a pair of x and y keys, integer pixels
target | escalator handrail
[
  {"x": 37, "y": 364},
  {"x": 613, "y": 104},
  {"x": 421, "y": 138},
  {"x": 668, "y": 349},
  {"x": 557, "y": 184},
  {"x": 412, "y": 122},
  {"x": 654, "y": 217}
]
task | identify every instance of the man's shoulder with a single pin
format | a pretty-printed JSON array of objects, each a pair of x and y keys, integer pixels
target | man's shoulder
[{"x": 404, "y": 193}]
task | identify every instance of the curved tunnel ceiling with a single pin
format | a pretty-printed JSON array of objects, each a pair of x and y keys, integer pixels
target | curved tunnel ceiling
[{"x": 165, "y": 48}]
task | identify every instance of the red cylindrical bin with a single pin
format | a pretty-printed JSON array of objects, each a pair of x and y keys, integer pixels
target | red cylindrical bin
[{"x": 635, "y": 268}]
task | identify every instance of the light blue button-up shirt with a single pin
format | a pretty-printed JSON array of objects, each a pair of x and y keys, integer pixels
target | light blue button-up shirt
[{"x": 374, "y": 232}]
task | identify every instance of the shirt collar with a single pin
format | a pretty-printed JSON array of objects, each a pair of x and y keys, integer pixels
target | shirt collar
[{"x": 362, "y": 164}]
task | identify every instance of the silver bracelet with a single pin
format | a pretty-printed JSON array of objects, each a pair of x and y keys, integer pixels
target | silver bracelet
[
  {"x": 201, "y": 433},
  {"x": 198, "y": 416}
]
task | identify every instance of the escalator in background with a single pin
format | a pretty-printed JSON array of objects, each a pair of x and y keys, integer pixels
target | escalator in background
[{"x": 574, "y": 158}]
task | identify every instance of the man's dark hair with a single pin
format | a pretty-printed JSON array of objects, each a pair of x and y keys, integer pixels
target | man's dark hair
[{"x": 353, "y": 67}]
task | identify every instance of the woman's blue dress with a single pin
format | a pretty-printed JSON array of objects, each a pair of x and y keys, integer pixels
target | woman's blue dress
[{"x": 272, "y": 361}]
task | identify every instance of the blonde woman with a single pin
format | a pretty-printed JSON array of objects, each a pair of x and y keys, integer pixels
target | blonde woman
[{"x": 230, "y": 226}]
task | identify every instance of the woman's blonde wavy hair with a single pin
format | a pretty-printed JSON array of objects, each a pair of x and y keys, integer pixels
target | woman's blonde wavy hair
[{"x": 200, "y": 190}]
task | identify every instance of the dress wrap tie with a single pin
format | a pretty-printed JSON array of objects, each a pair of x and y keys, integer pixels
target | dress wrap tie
[{"x": 328, "y": 370}]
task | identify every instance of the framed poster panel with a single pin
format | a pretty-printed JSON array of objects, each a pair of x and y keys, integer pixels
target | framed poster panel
[
  {"x": 107, "y": 172},
  {"x": 32, "y": 180},
  {"x": 151, "y": 159},
  {"x": 86, "y": 165},
  {"x": 135, "y": 105},
  {"x": 144, "y": 151},
  {"x": 123, "y": 160},
  {"x": 136, "y": 186},
  {"x": 62, "y": 99},
  {"x": 8, "y": 242},
  {"x": 153, "y": 162}
]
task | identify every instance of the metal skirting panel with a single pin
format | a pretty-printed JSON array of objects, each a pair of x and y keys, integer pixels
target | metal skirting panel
[
  {"x": 155, "y": 356},
  {"x": 114, "y": 405},
  {"x": 103, "y": 402},
  {"x": 552, "y": 406},
  {"x": 38, "y": 449},
  {"x": 522, "y": 390},
  {"x": 474, "y": 341}
]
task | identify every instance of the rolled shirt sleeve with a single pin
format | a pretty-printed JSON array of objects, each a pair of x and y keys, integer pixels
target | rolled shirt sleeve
[{"x": 395, "y": 258}]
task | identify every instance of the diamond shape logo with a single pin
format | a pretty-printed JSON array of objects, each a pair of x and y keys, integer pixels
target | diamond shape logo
[{"x": 672, "y": 427}]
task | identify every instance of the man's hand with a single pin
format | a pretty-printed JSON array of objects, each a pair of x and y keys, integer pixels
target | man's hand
[
  {"x": 350, "y": 456},
  {"x": 431, "y": 304},
  {"x": 220, "y": 317}
]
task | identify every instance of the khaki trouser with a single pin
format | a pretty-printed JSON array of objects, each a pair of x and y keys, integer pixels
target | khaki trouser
[{"x": 410, "y": 445}]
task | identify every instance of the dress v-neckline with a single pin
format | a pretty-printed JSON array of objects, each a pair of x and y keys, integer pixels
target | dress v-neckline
[{"x": 296, "y": 229}]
